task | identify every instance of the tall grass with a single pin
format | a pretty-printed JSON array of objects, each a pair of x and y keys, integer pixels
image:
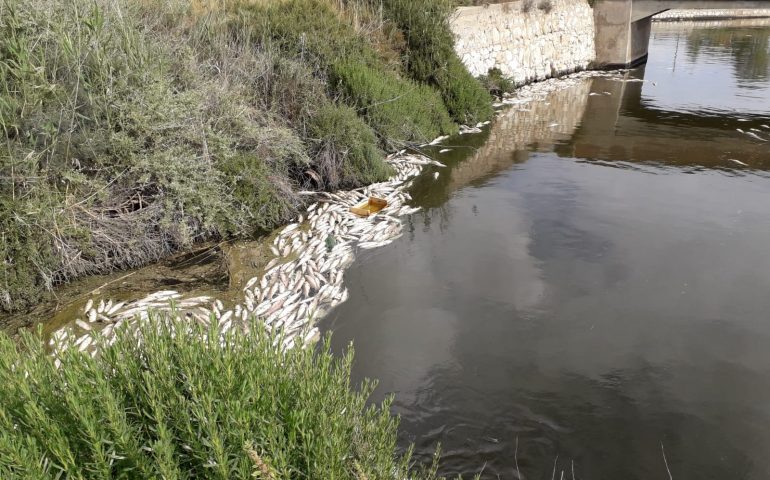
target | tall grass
[{"x": 181, "y": 404}]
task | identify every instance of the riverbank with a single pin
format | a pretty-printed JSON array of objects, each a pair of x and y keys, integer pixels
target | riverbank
[
  {"x": 304, "y": 275},
  {"x": 133, "y": 131}
]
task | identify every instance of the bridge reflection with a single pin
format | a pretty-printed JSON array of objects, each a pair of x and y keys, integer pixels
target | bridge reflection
[{"x": 638, "y": 118}]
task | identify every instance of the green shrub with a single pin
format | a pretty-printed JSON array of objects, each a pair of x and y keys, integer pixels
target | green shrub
[
  {"x": 313, "y": 32},
  {"x": 130, "y": 130},
  {"x": 310, "y": 30},
  {"x": 346, "y": 150},
  {"x": 496, "y": 83},
  {"x": 116, "y": 140},
  {"x": 180, "y": 404},
  {"x": 430, "y": 57},
  {"x": 27, "y": 261},
  {"x": 399, "y": 111}
]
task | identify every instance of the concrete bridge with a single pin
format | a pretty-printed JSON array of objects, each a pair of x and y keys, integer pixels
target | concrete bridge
[{"x": 622, "y": 27}]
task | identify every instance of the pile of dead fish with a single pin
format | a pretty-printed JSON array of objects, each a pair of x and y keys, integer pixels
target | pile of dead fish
[
  {"x": 305, "y": 279},
  {"x": 539, "y": 91},
  {"x": 298, "y": 286},
  {"x": 756, "y": 133}
]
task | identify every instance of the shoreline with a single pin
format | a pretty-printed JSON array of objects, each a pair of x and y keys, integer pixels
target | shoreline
[{"x": 305, "y": 278}]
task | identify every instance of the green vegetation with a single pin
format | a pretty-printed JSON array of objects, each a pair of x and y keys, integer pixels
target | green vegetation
[
  {"x": 180, "y": 404},
  {"x": 497, "y": 83},
  {"x": 430, "y": 57},
  {"x": 132, "y": 129}
]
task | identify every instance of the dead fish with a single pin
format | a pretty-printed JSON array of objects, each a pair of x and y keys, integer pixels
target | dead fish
[
  {"x": 86, "y": 343},
  {"x": 754, "y": 135},
  {"x": 88, "y": 305},
  {"x": 226, "y": 317},
  {"x": 435, "y": 175},
  {"x": 251, "y": 283},
  {"x": 738, "y": 162},
  {"x": 84, "y": 325}
]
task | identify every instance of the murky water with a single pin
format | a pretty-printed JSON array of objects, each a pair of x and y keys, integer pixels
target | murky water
[{"x": 590, "y": 279}]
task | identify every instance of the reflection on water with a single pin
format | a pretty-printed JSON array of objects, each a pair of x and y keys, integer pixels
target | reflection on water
[{"x": 584, "y": 312}]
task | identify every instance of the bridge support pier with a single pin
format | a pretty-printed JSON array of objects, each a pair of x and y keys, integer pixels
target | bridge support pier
[{"x": 620, "y": 41}]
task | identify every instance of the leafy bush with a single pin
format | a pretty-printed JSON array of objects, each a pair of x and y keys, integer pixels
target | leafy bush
[
  {"x": 132, "y": 129},
  {"x": 399, "y": 111},
  {"x": 346, "y": 148},
  {"x": 430, "y": 57},
  {"x": 181, "y": 404},
  {"x": 496, "y": 83}
]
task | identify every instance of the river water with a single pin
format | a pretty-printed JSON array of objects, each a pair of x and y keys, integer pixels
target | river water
[{"x": 590, "y": 279}]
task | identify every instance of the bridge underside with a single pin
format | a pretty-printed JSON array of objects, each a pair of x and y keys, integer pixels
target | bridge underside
[{"x": 623, "y": 26}]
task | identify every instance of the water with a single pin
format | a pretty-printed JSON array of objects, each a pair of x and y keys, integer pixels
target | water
[{"x": 590, "y": 279}]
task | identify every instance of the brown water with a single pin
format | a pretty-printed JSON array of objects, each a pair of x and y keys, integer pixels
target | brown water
[{"x": 589, "y": 279}]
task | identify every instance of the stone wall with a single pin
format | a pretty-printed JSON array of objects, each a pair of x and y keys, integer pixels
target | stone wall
[{"x": 525, "y": 41}]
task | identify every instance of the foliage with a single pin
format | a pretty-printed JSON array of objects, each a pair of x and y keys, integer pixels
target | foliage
[
  {"x": 181, "y": 404},
  {"x": 132, "y": 129},
  {"x": 430, "y": 57},
  {"x": 497, "y": 83},
  {"x": 346, "y": 147},
  {"x": 399, "y": 111}
]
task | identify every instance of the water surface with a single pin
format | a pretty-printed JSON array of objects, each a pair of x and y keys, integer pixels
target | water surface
[{"x": 590, "y": 279}]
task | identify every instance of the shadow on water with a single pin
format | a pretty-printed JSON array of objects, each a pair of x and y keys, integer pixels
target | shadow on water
[{"x": 588, "y": 314}]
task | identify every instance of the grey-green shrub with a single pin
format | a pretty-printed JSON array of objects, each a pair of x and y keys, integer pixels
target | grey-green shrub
[
  {"x": 497, "y": 83},
  {"x": 430, "y": 57},
  {"x": 181, "y": 404},
  {"x": 345, "y": 147},
  {"x": 399, "y": 111}
]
